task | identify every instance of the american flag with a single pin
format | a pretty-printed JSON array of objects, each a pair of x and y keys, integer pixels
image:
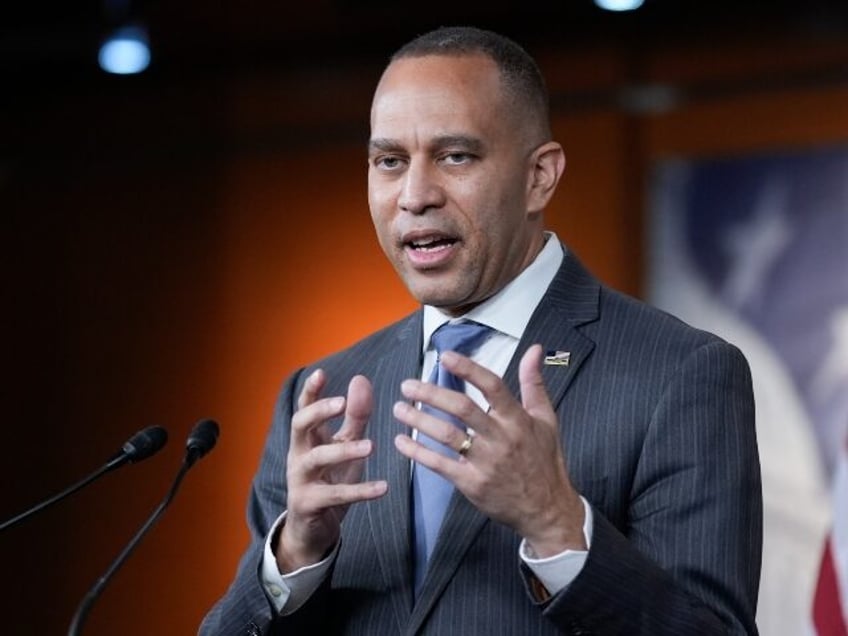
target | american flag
[
  {"x": 755, "y": 249},
  {"x": 830, "y": 605}
]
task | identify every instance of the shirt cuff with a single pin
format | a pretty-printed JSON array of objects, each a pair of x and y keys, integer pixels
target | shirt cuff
[
  {"x": 288, "y": 592},
  {"x": 557, "y": 572}
]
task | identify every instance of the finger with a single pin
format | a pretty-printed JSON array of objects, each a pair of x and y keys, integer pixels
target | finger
[
  {"x": 456, "y": 404},
  {"x": 436, "y": 428},
  {"x": 318, "y": 497},
  {"x": 534, "y": 396},
  {"x": 330, "y": 455},
  {"x": 307, "y": 421},
  {"x": 500, "y": 398},
  {"x": 312, "y": 388},
  {"x": 450, "y": 469},
  {"x": 360, "y": 403}
]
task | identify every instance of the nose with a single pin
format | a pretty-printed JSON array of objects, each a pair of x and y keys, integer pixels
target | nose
[{"x": 420, "y": 189}]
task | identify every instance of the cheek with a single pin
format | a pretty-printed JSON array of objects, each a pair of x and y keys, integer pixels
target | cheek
[
  {"x": 379, "y": 206},
  {"x": 476, "y": 202},
  {"x": 382, "y": 221},
  {"x": 489, "y": 194},
  {"x": 500, "y": 223}
]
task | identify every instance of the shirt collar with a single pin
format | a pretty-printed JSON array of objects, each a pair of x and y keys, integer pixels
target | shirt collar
[{"x": 510, "y": 309}]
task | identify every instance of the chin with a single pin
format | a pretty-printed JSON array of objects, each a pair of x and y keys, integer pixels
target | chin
[
  {"x": 444, "y": 292},
  {"x": 448, "y": 303},
  {"x": 437, "y": 297}
]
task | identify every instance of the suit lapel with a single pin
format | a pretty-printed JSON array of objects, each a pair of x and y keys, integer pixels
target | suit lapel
[
  {"x": 389, "y": 516},
  {"x": 571, "y": 300}
]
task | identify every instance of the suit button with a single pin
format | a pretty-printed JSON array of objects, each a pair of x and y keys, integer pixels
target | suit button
[{"x": 275, "y": 590}]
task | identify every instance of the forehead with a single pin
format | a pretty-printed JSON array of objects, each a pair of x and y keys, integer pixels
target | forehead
[{"x": 456, "y": 90}]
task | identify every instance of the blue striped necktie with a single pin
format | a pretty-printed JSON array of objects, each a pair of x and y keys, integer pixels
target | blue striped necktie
[{"x": 430, "y": 491}]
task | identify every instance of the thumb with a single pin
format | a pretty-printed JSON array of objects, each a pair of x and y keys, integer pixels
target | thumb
[
  {"x": 534, "y": 397},
  {"x": 360, "y": 403}
]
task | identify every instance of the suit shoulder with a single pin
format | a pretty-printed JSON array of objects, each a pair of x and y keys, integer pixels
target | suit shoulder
[
  {"x": 613, "y": 317},
  {"x": 636, "y": 319},
  {"x": 640, "y": 343},
  {"x": 366, "y": 351}
]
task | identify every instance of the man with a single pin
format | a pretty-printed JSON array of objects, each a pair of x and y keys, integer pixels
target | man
[{"x": 606, "y": 482}]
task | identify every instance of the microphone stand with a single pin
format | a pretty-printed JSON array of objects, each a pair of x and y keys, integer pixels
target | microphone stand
[
  {"x": 87, "y": 602},
  {"x": 201, "y": 440}
]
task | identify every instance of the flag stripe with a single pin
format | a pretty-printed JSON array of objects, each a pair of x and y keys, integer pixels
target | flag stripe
[
  {"x": 839, "y": 536},
  {"x": 830, "y": 606},
  {"x": 827, "y": 607}
]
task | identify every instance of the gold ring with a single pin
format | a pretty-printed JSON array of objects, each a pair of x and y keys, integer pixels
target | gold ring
[{"x": 465, "y": 446}]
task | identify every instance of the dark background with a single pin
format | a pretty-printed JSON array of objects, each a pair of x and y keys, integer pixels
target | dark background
[{"x": 175, "y": 243}]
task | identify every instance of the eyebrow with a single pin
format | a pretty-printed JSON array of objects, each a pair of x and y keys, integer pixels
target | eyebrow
[
  {"x": 382, "y": 144},
  {"x": 465, "y": 142}
]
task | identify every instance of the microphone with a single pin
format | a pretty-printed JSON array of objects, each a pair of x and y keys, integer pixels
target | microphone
[
  {"x": 200, "y": 441},
  {"x": 143, "y": 444}
]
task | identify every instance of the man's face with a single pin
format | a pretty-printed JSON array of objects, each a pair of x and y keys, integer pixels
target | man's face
[{"x": 449, "y": 172}]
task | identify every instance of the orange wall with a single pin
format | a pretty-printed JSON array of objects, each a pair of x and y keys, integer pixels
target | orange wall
[{"x": 172, "y": 254}]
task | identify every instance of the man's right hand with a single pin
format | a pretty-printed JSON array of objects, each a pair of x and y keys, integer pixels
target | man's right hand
[{"x": 324, "y": 470}]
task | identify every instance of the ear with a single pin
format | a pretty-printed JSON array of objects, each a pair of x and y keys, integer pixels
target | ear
[{"x": 547, "y": 164}]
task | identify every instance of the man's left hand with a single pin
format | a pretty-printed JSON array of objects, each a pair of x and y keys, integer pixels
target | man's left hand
[{"x": 515, "y": 471}]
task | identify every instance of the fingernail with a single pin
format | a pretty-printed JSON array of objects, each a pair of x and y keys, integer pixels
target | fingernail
[
  {"x": 408, "y": 386},
  {"x": 337, "y": 402},
  {"x": 400, "y": 408},
  {"x": 448, "y": 356}
]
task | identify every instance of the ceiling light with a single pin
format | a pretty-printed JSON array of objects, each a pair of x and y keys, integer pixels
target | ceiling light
[
  {"x": 619, "y": 5},
  {"x": 125, "y": 51}
]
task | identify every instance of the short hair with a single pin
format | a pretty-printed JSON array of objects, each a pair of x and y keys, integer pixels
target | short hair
[{"x": 519, "y": 72}]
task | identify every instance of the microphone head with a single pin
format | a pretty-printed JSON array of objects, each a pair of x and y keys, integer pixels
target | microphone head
[
  {"x": 202, "y": 438},
  {"x": 145, "y": 443}
]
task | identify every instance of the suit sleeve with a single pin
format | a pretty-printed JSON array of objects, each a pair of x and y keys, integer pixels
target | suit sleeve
[
  {"x": 245, "y": 609},
  {"x": 687, "y": 560}
]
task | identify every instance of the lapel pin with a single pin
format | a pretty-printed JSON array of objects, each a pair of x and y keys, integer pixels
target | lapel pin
[{"x": 557, "y": 358}]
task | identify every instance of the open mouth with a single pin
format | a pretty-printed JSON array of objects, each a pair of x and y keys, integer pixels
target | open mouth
[{"x": 431, "y": 244}]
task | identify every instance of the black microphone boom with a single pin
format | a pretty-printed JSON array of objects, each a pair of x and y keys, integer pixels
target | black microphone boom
[
  {"x": 140, "y": 446},
  {"x": 200, "y": 441}
]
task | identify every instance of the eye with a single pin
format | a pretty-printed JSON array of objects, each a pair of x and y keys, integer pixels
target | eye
[
  {"x": 457, "y": 158},
  {"x": 387, "y": 162}
]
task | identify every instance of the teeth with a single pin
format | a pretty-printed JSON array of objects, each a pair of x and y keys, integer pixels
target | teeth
[
  {"x": 431, "y": 244},
  {"x": 428, "y": 247}
]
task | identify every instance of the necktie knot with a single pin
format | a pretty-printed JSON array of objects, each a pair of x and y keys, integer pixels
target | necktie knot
[{"x": 462, "y": 337}]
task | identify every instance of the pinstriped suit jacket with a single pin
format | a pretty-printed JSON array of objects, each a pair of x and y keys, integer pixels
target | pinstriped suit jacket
[{"x": 657, "y": 425}]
